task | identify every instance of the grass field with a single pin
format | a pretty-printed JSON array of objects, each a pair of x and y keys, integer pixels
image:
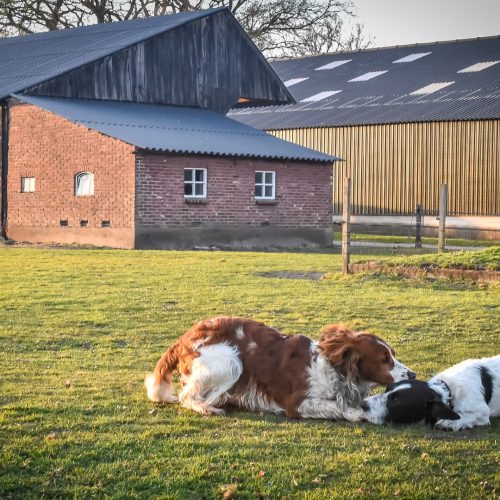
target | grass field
[{"x": 80, "y": 328}]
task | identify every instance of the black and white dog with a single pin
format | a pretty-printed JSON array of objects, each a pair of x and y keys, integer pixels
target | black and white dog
[{"x": 461, "y": 397}]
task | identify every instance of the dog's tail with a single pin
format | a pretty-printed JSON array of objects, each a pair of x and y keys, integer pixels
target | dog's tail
[{"x": 159, "y": 384}]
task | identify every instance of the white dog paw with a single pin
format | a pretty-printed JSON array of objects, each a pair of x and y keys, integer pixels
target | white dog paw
[
  {"x": 452, "y": 425},
  {"x": 354, "y": 414}
]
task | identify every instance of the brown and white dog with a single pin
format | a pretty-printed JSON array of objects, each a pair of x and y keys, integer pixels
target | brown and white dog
[{"x": 243, "y": 363}]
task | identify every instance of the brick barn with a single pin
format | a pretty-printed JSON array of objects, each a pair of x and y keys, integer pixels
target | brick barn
[{"x": 116, "y": 135}]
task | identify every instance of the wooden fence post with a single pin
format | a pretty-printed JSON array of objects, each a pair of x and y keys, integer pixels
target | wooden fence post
[
  {"x": 443, "y": 208},
  {"x": 418, "y": 227},
  {"x": 346, "y": 225}
]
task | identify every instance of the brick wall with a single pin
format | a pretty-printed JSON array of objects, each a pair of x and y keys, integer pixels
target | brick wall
[
  {"x": 303, "y": 193},
  {"x": 53, "y": 149},
  {"x": 144, "y": 193}
]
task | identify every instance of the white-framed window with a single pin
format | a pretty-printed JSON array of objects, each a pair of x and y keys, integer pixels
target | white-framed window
[
  {"x": 265, "y": 185},
  {"x": 27, "y": 184},
  {"x": 84, "y": 184},
  {"x": 195, "y": 182}
]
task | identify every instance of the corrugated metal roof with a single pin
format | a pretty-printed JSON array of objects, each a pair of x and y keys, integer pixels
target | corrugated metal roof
[
  {"x": 31, "y": 59},
  {"x": 175, "y": 129},
  {"x": 388, "y": 97}
]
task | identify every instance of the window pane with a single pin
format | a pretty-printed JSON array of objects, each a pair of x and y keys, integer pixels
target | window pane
[
  {"x": 27, "y": 184},
  {"x": 269, "y": 177},
  {"x": 188, "y": 189},
  {"x": 258, "y": 191},
  {"x": 84, "y": 184},
  {"x": 269, "y": 191},
  {"x": 188, "y": 175},
  {"x": 258, "y": 177},
  {"x": 198, "y": 189},
  {"x": 200, "y": 175}
]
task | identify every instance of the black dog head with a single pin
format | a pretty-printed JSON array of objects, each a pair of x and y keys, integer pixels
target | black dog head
[{"x": 407, "y": 402}]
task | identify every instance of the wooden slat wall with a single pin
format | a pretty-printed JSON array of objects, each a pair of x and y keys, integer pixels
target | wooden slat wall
[
  {"x": 396, "y": 166},
  {"x": 207, "y": 63}
]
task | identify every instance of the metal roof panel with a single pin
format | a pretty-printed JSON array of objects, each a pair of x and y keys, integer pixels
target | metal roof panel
[
  {"x": 387, "y": 99},
  {"x": 175, "y": 129}
]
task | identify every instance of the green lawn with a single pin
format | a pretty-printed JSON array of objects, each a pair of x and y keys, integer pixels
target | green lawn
[{"x": 80, "y": 328}]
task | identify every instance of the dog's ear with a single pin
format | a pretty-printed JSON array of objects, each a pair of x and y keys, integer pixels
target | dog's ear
[
  {"x": 338, "y": 345},
  {"x": 438, "y": 410}
]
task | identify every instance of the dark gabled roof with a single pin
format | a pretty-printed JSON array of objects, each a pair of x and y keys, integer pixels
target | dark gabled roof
[
  {"x": 387, "y": 98},
  {"x": 175, "y": 129},
  {"x": 28, "y": 60}
]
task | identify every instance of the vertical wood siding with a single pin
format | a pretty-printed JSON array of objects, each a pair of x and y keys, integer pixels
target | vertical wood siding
[
  {"x": 394, "y": 167},
  {"x": 207, "y": 63}
]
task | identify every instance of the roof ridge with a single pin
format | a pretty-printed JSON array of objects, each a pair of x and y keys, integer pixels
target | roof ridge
[
  {"x": 386, "y": 47},
  {"x": 258, "y": 133},
  {"x": 196, "y": 14}
]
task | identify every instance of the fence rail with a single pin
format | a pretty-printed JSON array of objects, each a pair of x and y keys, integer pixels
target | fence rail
[{"x": 346, "y": 222}]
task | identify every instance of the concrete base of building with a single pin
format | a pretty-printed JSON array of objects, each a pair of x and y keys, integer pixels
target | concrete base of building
[
  {"x": 106, "y": 237},
  {"x": 471, "y": 228},
  {"x": 233, "y": 237}
]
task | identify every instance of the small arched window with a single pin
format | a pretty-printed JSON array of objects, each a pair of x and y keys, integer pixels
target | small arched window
[{"x": 84, "y": 184}]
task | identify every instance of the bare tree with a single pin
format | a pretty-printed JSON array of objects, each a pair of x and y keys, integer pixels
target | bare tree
[
  {"x": 278, "y": 27},
  {"x": 328, "y": 36}
]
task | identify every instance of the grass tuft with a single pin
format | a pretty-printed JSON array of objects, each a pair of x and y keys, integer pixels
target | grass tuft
[{"x": 487, "y": 259}]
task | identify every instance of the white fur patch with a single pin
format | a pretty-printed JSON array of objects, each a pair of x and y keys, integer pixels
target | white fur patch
[
  {"x": 399, "y": 371},
  {"x": 402, "y": 387},
  {"x": 377, "y": 408},
  {"x": 329, "y": 396},
  {"x": 213, "y": 373},
  {"x": 240, "y": 334},
  {"x": 251, "y": 346},
  {"x": 253, "y": 400},
  {"x": 464, "y": 381},
  {"x": 159, "y": 392}
]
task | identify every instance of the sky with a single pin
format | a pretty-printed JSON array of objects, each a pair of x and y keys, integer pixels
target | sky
[{"x": 401, "y": 22}]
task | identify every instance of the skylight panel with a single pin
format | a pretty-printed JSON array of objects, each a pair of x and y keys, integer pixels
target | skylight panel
[
  {"x": 294, "y": 81},
  {"x": 411, "y": 57},
  {"x": 368, "y": 76},
  {"x": 478, "y": 67},
  {"x": 432, "y": 87},
  {"x": 320, "y": 96},
  {"x": 334, "y": 64}
]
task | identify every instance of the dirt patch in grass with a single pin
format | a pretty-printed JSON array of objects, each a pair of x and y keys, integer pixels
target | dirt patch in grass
[
  {"x": 292, "y": 275},
  {"x": 479, "y": 276}
]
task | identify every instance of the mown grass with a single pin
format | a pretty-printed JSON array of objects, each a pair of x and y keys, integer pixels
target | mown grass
[
  {"x": 79, "y": 329},
  {"x": 488, "y": 259}
]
